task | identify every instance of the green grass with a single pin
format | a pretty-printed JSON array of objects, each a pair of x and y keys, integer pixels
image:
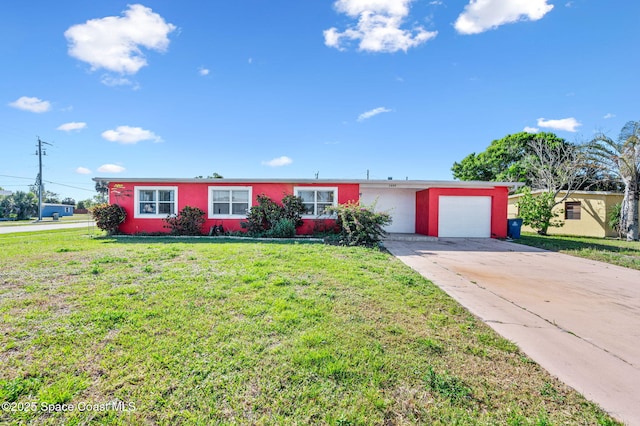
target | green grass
[
  {"x": 616, "y": 252},
  {"x": 200, "y": 332}
]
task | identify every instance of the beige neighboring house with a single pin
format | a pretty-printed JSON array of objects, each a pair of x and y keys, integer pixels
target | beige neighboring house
[{"x": 584, "y": 213}]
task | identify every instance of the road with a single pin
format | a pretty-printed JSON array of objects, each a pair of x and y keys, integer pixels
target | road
[{"x": 45, "y": 227}]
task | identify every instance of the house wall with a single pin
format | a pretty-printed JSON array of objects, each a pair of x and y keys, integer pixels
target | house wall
[
  {"x": 196, "y": 194},
  {"x": 422, "y": 207},
  {"x": 595, "y": 209},
  {"x": 430, "y": 208}
]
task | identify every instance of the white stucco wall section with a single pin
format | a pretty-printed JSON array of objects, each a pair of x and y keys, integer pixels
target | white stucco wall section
[{"x": 399, "y": 202}]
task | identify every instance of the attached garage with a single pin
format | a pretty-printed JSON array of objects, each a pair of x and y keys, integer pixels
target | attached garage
[
  {"x": 399, "y": 202},
  {"x": 464, "y": 216}
]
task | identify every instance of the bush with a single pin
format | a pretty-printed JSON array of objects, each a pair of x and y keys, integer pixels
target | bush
[
  {"x": 189, "y": 221},
  {"x": 615, "y": 217},
  {"x": 108, "y": 217},
  {"x": 537, "y": 212},
  {"x": 271, "y": 219},
  {"x": 359, "y": 225},
  {"x": 283, "y": 228}
]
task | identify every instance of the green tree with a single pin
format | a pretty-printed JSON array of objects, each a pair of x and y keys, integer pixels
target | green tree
[
  {"x": 503, "y": 160},
  {"x": 7, "y": 206},
  {"x": 25, "y": 205},
  {"x": 622, "y": 158},
  {"x": 536, "y": 210},
  {"x": 68, "y": 201}
]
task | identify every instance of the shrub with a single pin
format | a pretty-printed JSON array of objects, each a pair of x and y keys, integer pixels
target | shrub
[
  {"x": 108, "y": 217},
  {"x": 282, "y": 228},
  {"x": 614, "y": 221},
  {"x": 267, "y": 215},
  {"x": 189, "y": 221},
  {"x": 537, "y": 212},
  {"x": 359, "y": 225}
]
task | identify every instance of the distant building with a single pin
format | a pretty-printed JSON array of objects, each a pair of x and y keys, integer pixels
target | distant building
[
  {"x": 48, "y": 209},
  {"x": 584, "y": 213}
]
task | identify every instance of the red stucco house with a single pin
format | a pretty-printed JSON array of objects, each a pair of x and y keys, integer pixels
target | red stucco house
[{"x": 433, "y": 208}]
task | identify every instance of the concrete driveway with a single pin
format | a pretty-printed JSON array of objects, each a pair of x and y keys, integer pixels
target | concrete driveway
[{"x": 579, "y": 319}]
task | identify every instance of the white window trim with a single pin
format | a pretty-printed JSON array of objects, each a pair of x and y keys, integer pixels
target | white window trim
[
  {"x": 297, "y": 189},
  {"x": 227, "y": 188},
  {"x": 136, "y": 201}
]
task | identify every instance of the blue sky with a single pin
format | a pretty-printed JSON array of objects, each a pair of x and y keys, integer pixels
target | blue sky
[{"x": 288, "y": 89}]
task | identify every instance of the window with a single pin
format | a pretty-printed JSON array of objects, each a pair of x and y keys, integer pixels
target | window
[
  {"x": 155, "y": 202},
  {"x": 229, "y": 202},
  {"x": 315, "y": 200},
  {"x": 572, "y": 210}
]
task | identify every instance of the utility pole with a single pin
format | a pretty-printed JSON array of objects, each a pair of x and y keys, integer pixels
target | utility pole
[{"x": 40, "y": 153}]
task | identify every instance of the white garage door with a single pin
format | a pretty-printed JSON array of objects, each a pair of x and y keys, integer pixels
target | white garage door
[
  {"x": 464, "y": 217},
  {"x": 400, "y": 203}
]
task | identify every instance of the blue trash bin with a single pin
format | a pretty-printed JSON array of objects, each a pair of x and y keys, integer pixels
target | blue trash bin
[{"x": 513, "y": 228}]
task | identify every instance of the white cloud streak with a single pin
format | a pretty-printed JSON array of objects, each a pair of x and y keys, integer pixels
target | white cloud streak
[
  {"x": 27, "y": 103},
  {"x": 373, "y": 112},
  {"x": 111, "y": 168},
  {"x": 74, "y": 125},
  {"x": 203, "y": 71},
  {"x": 483, "y": 15},
  {"x": 531, "y": 129},
  {"x": 278, "y": 162},
  {"x": 114, "y": 43},
  {"x": 608, "y": 116},
  {"x": 130, "y": 135},
  {"x": 568, "y": 124},
  {"x": 379, "y": 26},
  {"x": 83, "y": 171}
]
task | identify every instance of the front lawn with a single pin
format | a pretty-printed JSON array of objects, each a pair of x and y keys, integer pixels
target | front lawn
[
  {"x": 616, "y": 252},
  {"x": 171, "y": 331}
]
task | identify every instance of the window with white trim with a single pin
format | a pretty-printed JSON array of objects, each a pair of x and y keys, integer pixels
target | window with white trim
[
  {"x": 155, "y": 202},
  {"x": 316, "y": 199},
  {"x": 229, "y": 202}
]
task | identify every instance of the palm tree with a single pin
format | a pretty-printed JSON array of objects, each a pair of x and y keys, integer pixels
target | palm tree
[{"x": 622, "y": 157}]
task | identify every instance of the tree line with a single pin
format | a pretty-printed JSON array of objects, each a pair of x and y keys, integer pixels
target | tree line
[{"x": 554, "y": 168}]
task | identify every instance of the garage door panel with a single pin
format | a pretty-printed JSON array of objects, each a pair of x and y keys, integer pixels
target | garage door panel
[
  {"x": 400, "y": 203},
  {"x": 464, "y": 216}
]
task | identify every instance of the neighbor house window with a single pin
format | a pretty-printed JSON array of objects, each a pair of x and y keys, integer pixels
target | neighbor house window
[
  {"x": 316, "y": 200},
  {"x": 572, "y": 210},
  {"x": 229, "y": 202},
  {"x": 155, "y": 202}
]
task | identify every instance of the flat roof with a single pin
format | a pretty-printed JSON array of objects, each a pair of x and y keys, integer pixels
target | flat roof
[{"x": 366, "y": 183}]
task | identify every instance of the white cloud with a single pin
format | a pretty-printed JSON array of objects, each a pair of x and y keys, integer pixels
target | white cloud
[
  {"x": 114, "y": 43},
  {"x": 608, "y": 116},
  {"x": 111, "y": 168},
  {"x": 278, "y": 162},
  {"x": 569, "y": 124},
  {"x": 83, "y": 171},
  {"x": 482, "y": 15},
  {"x": 378, "y": 28},
  {"x": 74, "y": 125},
  {"x": 203, "y": 71},
  {"x": 111, "y": 81},
  {"x": 31, "y": 104},
  {"x": 531, "y": 129},
  {"x": 371, "y": 113},
  {"x": 130, "y": 135}
]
